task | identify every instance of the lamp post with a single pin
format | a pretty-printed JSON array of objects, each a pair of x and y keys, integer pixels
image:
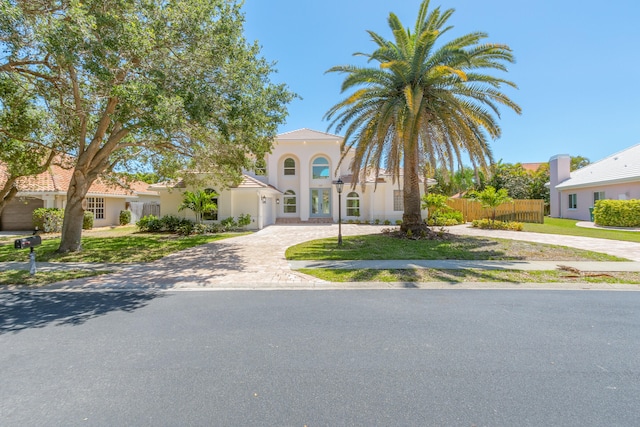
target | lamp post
[{"x": 339, "y": 184}]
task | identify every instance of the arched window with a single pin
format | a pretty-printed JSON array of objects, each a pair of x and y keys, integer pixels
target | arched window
[
  {"x": 320, "y": 168},
  {"x": 211, "y": 215},
  {"x": 289, "y": 201},
  {"x": 289, "y": 166},
  {"x": 353, "y": 204}
]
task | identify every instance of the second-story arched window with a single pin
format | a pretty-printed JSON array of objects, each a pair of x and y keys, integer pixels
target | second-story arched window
[
  {"x": 289, "y": 166},
  {"x": 320, "y": 168}
]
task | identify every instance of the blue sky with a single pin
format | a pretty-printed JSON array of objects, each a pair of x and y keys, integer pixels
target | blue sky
[{"x": 577, "y": 64}]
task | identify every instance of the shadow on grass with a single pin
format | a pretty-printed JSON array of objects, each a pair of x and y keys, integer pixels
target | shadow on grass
[
  {"x": 460, "y": 276},
  {"x": 26, "y": 310}
]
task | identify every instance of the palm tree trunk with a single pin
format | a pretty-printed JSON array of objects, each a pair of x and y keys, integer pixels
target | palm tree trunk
[{"x": 412, "y": 216}]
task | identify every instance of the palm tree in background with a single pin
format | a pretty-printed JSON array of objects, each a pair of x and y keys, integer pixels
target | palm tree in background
[{"x": 427, "y": 101}]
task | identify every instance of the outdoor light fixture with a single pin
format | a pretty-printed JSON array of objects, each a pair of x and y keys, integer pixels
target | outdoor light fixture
[
  {"x": 264, "y": 199},
  {"x": 277, "y": 201},
  {"x": 339, "y": 185}
]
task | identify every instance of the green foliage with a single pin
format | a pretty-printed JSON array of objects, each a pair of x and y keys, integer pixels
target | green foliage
[
  {"x": 229, "y": 223},
  {"x": 578, "y": 162},
  {"x": 125, "y": 217},
  {"x": 422, "y": 100},
  {"x": 200, "y": 202},
  {"x": 173, "y": 84},
  {"x": 244, "y": 220},
  {"x": 48, "y": 220},
  {"x": 497, "y": 225},
  {"x": 149, "y": 223},
  {"x": 617, "y": 213},
  {"x": 492, "y": 198},
  {"x": 442, "y": 219},
  {"x": 386, "y": 222},
  {"x": 87, "y": 220}
]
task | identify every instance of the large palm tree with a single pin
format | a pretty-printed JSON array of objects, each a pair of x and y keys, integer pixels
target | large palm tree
[{"x": 426, "y": 101}]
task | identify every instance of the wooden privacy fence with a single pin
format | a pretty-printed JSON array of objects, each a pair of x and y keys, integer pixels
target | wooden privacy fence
[{"x": 519, "y": 210}]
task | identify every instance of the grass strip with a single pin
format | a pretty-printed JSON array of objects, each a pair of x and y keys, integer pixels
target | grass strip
[
  {"x": 567, "y": 227},
  {"x": 22, "y": 277},
  {"x": 468, "y": 275}
]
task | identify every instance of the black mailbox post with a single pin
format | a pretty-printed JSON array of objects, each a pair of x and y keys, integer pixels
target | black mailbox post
[{"x": 29, "y": 243}]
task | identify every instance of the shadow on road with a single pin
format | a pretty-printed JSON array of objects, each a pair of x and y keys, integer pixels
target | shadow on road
[{"x": 25, "y": 310}]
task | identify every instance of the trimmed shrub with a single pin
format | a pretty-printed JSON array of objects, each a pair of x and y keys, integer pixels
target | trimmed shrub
[
  {"x": 172, "y": 223},
  {"x": 387, "y": 222},
  {"x": 229, "y": 223},
  {"x": 87, "y": 220},
  {"x": 398, "y": 222},
  {"x": 48, "y": 220},
  {"x": 442, "y": 218},
  {"x": 149, "y": 223},
  {"x": 617, "y": 213},
  {"x": 497, "y": 225},
  {"x": 244, "y": 220},
  {"x": 125, "y": 217}
]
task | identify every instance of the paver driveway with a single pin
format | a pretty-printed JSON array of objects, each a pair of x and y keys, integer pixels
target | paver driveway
[{"x": 257, "y": 260}]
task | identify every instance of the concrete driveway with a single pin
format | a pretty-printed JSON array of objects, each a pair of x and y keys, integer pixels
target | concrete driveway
[{"x": 257, "y": 261}]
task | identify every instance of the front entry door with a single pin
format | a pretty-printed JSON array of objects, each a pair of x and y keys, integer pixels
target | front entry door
[{"x": 320, "y": 202}]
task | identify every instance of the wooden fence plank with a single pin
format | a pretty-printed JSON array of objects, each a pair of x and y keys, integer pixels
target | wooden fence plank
[{"x": 519, "y": 210}]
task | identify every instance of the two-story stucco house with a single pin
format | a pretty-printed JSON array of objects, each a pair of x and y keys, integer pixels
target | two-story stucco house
[
  {"x": 297, "y": 185},
  {"x": 573, "y": 193}
]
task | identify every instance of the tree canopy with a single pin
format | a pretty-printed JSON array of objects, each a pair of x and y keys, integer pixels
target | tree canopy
[
  {"x": 173, "y": 83},
  {"x": 425, "y": 99}
]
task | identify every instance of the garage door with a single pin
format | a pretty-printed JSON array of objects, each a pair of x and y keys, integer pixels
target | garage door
[{"x": 18, "y": 214}]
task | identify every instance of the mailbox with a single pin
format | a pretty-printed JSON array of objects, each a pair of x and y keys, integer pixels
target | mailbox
[{"x": 28, "y": 242}]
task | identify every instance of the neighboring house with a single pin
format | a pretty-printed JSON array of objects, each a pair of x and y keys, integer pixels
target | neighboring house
[
  {"x": 49, "y": 190},
  {"x": 297, "y": 186},
  {"x": 573, "y": 193}
]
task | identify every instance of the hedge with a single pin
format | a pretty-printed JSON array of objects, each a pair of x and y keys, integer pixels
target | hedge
[{"x": 617, "y": 213}]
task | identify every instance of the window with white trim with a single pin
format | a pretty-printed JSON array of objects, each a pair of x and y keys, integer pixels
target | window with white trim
[
  {"x": 598, "y": 195},
  {"x": 353, "y": 204},
  {"x": 573, "y": 201},
  {"x": 96, "y": 206},
  {"x": 289, "y": 205},
  {"x": 398, "y": 200},
  {"x": 289, "y": 166}
]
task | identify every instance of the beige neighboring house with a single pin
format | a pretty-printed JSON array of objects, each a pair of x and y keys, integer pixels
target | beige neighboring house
[
  {"x": 573, "y": 193},
  {"x": 49, "y": 190},
  {"x": 297, "y": 186}
]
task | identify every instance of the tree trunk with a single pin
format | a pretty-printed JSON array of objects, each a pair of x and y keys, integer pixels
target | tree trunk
[
  {"x": 74, "y": 213},
  {"x": 412, "y": 216},
  {"x": 7, "y": 193}
]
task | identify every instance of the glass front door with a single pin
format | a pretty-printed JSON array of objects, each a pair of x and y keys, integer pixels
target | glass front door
[{"x": 320, "y": 202}]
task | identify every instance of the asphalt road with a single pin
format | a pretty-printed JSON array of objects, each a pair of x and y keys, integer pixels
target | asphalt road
[{"x": 320, "y": 358}]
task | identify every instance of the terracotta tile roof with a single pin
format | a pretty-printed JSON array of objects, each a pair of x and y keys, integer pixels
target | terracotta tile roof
[
  {"x": 531, "y": 167},
  {"x": 56, "y": 179}
]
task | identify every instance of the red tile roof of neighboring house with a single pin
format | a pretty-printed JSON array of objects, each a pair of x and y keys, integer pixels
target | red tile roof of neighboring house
[
  {"x": 56, "y": 179},
  {"x": 532, "y": 167}
]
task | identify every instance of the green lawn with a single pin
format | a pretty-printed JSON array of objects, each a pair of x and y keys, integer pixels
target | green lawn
[
  {"x": 568, "y": 227},
  {"x": 383, "y": 246},
  {"x": 467, "y": 275},
  {"x": 21, "y": 277},
  {"x": 115, "y": 248}
]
